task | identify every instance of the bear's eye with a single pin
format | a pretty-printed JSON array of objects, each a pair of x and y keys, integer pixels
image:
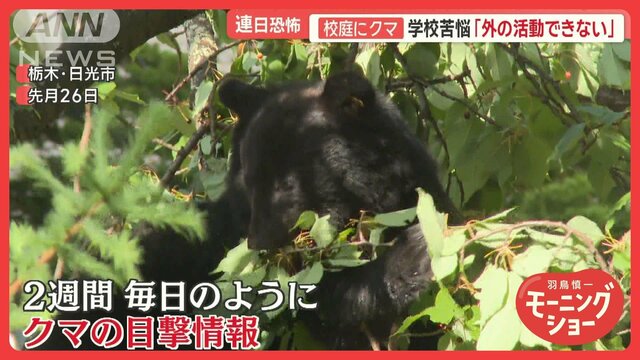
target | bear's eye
[
  {"x": 352, "y": 104},
  {"x": 356, "y": 101}
]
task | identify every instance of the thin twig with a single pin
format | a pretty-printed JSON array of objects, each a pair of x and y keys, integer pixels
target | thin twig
[
  {"x": 424, "y": 334},
  {"x": 585, "y": 239},
  {"x": 545, "y": 77},
  {"x": 469, "y": 107},
  {"x": 82, "y": 147},
  {"x": 407, "y": 83},
  {"x": 165, "y": 144},
  {"x": 425, "y": 111},
  {"x": 428, "y": 84},
  {"x": 184, "y": 152},
  {"x": 199, "y": 67},
  {"x": 348, "y": 244},
  {"x": 84, "y": 142}
]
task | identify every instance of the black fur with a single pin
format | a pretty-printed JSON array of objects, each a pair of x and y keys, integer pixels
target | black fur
[{"x": 337, "y": 147}]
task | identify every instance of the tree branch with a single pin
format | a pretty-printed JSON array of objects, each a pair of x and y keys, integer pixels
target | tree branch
[
  {"x": 184, "y": 152},
  {"x": 524, "y": 62},
  {"x": 199, "y": 67},
  {"x": 585, "y": 239}
]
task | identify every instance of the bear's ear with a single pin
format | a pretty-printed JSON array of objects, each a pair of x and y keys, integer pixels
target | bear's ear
[
  {"x": 242, "y": 98},
  {"x": 349, "y": 91}
]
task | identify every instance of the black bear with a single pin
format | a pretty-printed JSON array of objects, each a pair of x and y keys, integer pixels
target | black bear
[{"x": 335, "y": 147}]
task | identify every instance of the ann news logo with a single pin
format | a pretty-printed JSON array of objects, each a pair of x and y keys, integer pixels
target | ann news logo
[{"x": 66, "y": 26}]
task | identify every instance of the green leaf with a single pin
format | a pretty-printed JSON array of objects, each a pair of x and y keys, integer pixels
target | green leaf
[
  {"x": 202, "y": 97},
  {"x": 601, "y": 115},
  {"x": 587, "y": 227},
  {"x": 468, "y": 260},
  {"x": 531, "y": 340},
  {"x": 296, "y": 66},
  {"x": 369, "y": 60},
  {"x": 457, "y": 55},
  {"x": 238, "y": 261},
  {"x": 127, "y": 255},
  {"x": 274, "y": 70},
  {"x": 501, "y": 332},
  {"x": 453, "y": 243},
  {"x": 501, "y": 64},
  {"x": 545, "y": 238},
  {"x": 568, "y": 141},
  {"x": 134, "y": 98},
  {"x": 430, "y": 223},
  {"x": 514, "y": 280},
  {"x": 484, "y": 160},
  {"x": 565, "y": 258},
  {"x": 252, "y": 278},
  {"x": 499, "y": 216},
  {"x": 529, "y": 161},
  {"x": 375, "y": 236},
  {"x": 348, "y": 256},
  {"x": 177, "y": 122},
  {"x": 282, "y": 277},
  {"x": 460, "y": 133},
  {"x": 445, "y": 308},
  {"x": 494, "y": 286},
  {"x": 622, "y": 50},
  {"x": 502, "y": 111},
  {"x": 536, "y": 259},
  {"x": 444, "y": 266},
  {"x": 346, "y": 234},
  {"x": 305, "y": 220},
  {"x": 622, "y": 260},
  {"x": 213, "y": 179},
  {"x": 396, "y": 218},
  {"x": 218, "y": 19},
  {"x": 493, "y": 235},
  {"x": 443, "y": 311},
  {"x": 611, "y": 70},
  {"x": 322, "y": 232},
  {"x": 408, "y": 109},
  {"x": 205, "y": 145},
  {"x": 422, "y": 59},
  {"x": 309, "y": 275},
  {"x": 168, "y": 39},
  {"x": 441, "y": 102},
  {"x": 104, "y": 89},
  {"x": 387, "y": 60}
]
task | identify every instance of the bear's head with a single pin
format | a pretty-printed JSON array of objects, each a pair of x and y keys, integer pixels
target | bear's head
[
  {"x": 269, "y": 118},
  {"x": 335, "y": 147},
  {"x": 347, "y": 93}
]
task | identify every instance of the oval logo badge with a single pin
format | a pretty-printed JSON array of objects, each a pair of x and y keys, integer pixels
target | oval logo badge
[
  {"x": 570, "y": 308},
  {"x": 66, "y": 26}
]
